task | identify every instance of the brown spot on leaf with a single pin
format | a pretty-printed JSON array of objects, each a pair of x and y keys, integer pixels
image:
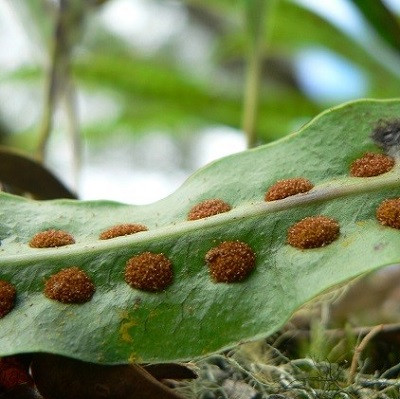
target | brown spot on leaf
[
  {"x": 149, "y": 272},
  {"x": 51, "y": 238},
  {"x": 70, "y": 285},
  {"x": 313, "y": 232},
  {"x": 122, "y": 230},
  {"x": 7, "y": 297},
  {"x": 288, "y": 187},
  {"x": 388, "y": 213},
  {"x": 386, "y": 133},
  {"x": 371, "y": 164},
  {"x": 208, "y": 208},
  {"x": 230, "y": 261}
]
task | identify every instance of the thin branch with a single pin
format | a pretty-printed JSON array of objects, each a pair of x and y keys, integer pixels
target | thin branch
[
  {"x": 71, "y": 110},
  {"x": 337, "y": 332},
  {"x": 256, "y": 13},
  {"x": 359, "y": 349},
  {"x": 67, "y": 31},
  {"x": 395, "y": 370},
  {"x": 54, "y": 82},
  {"x": 255, "y": 20},
  {"x": 251, "y": 97}
]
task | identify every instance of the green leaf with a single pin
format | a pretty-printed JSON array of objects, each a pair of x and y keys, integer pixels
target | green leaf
[
  {"x": 382, "y": 20},
  {"x": 294, "y": 28},
  {"x": 155, "y": 96},
  {"x": 307, "y": 29},
  {"x": 195, "y": 316}
]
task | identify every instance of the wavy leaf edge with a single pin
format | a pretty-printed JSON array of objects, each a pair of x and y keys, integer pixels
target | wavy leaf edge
[{"x": 331, "y": 190}]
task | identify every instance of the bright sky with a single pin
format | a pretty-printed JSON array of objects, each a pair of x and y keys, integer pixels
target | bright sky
[{"x": 340, "y": 12}]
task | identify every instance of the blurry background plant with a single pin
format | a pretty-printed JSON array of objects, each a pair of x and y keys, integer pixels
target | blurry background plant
[
  {"x": 123, "y": 99},
  {"x": 128, "y": 97}
]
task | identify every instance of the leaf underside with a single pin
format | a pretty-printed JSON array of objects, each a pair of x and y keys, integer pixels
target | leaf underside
[{"x": 195, "y": 316}]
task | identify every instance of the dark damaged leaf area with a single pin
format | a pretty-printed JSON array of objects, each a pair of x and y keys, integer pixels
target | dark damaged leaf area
[{"x": 168, "y": 305}]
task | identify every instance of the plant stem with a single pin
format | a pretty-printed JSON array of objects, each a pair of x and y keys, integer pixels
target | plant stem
[
  {"x": 53, "y": 84},
  {"x": 69, "y": 20},
  {"x": 358, "y": 351},
  {"x": 71, "y": 110},
  {"x": 251, "y": 99},
  {"x": 255, "y": 15}
]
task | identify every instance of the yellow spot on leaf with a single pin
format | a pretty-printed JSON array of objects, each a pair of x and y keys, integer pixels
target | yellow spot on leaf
[
  {"x": 347, "y": 242},
  {"x": 134, "y": 358},
  {"x": 126, "y": 324},
  {"x": 153, "y": 313}
]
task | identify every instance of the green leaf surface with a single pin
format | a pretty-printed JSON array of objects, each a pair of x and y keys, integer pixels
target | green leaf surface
[{"x": 195, "y": 316}]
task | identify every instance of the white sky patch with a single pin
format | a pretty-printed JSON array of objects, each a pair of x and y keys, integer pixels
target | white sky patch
[
  {"x": 340, "y": 12},
  {"x": 126, "y": 175},
  {"x": 117, "y": 173},
  {"x": 145, "y": 24},
  {"x": 13, "y": 41},
  {"x": 346, "y": 17},
  {"x": 393, "y": 4},
  {"x": 131, "y": 187},
  {"x": 95, "y": 107},
  {"x": 216, "y": 142},
  {"x": 326, "y": 77},
  {"x": 132, "y": 170},
  {"x": 21, "y": 104}
]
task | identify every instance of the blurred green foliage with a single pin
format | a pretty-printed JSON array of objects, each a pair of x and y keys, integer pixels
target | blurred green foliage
[{"x": 158, "y": 90}]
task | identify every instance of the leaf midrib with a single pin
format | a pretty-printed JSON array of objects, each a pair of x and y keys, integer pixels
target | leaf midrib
[{"x": 327, "y": 191}]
